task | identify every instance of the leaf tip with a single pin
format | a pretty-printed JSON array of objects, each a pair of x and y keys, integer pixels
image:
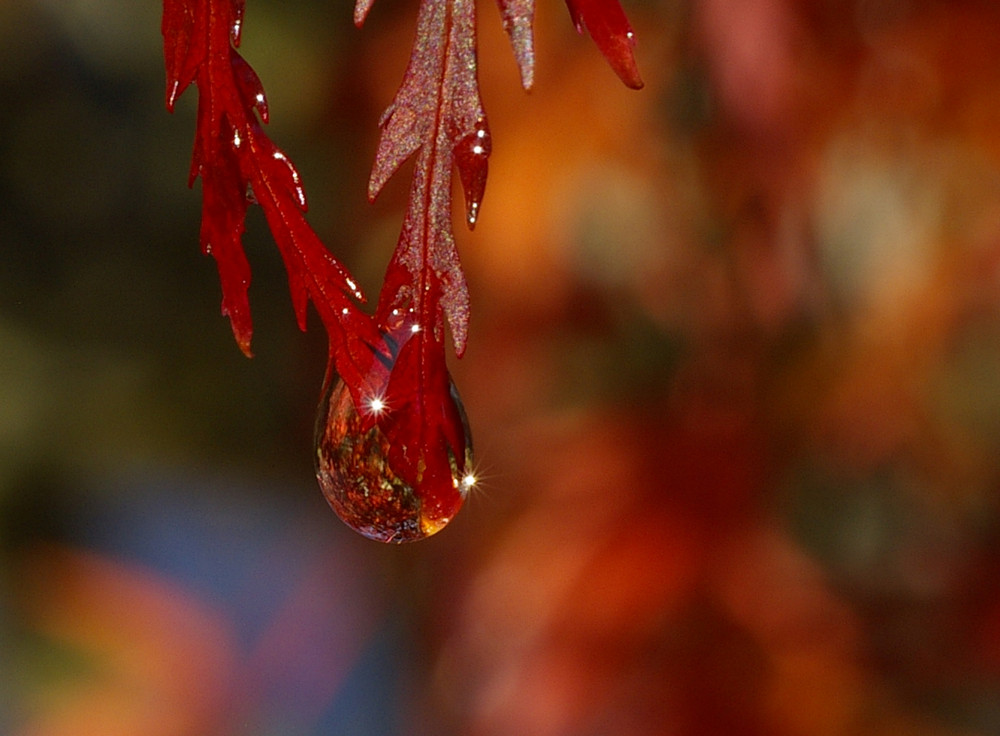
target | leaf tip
[
  {"x": 611, "y": 32},
  {"x": 242, "y": 330},
  {"x": 622, "y": 59}
]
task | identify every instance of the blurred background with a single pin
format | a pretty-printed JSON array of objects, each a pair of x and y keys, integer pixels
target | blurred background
[{"x": 733, "y": 376}]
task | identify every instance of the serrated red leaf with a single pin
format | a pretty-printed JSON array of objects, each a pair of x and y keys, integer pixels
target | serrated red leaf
[
  {"x": 437, "y": 114},
  {"x": 610, "y": 29},
  {"x": 234, "y": 158},
  {"x": 436, "y": 108}
]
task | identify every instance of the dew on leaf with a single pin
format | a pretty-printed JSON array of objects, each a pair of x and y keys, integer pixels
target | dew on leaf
[
  {"x": 472, "y": 154},
  {"x": 356, "y": 465}
]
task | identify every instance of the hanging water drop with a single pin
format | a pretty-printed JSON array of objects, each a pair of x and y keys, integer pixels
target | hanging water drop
[
  {"x": 359, "y": 472},
  {"x": 472, "y": 160}
]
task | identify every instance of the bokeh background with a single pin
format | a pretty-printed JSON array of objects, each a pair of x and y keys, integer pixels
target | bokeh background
[{"x": 733, "y": 374}]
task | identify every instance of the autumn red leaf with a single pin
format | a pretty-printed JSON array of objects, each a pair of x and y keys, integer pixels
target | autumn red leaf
[{"x": 438, "y": 116}]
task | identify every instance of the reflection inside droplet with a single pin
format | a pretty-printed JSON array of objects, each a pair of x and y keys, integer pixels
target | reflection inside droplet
[{"x": 355, "y": 471}]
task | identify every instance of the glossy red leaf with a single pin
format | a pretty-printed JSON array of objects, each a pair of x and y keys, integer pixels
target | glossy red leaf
[{"x": 235, "y": 159}]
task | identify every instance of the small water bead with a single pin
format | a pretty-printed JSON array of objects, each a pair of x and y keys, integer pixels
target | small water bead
[
  {"x": 472, "y": 154},
  {"x": 356, "y": 475}
]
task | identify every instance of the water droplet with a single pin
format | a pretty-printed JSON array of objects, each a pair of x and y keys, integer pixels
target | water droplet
[
  {"x": 354, "y": 460},
  {"x": 471, "y": 157}
]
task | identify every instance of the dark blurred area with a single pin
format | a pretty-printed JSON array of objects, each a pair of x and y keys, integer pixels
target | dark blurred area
[{"x": 733, "y": 376}]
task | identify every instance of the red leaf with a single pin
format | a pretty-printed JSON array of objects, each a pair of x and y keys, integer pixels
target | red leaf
[
  {"x": 435, "y": 110},
  {"x": 426, "y": 429},
  {"x": 312, "y": 271},
  {"x": 437, "y": 115},
  {"x": 224, "y": 207},
  {"x": 612, "y": 33}
]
